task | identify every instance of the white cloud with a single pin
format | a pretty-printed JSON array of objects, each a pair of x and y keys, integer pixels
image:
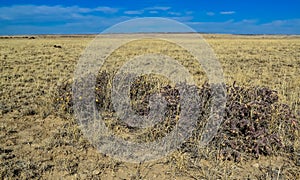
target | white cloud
[
  {"x": 32, "y": 11},
  {"x": 174, "y": 13},
  {"x": 182, "y": 19},
  {"x": 227, "y": 12},
  {"x": 189, "y": 12},
  {"x": 210, "y": 13},
  {"x": 134, "y": 12},
  {"x": 153, "y": 12},
  {"x": 160, "y": 8},
  {"x": 107, "y": 10},
  {"x": 249, "y": 21},
  {"x": 28, "y": 19}
]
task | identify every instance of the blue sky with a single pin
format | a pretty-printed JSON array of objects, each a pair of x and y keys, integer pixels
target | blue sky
[{"x": 210, "y": 16}]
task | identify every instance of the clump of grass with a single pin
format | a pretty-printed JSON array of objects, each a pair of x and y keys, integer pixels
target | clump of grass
[{"x": 62, "y": 98}]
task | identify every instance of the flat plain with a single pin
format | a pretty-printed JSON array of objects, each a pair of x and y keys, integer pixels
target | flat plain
[{"x": 41, "y": 140}]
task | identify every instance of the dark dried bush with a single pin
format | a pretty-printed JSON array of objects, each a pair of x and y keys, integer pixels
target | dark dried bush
[{"x": 255, "y": 122}]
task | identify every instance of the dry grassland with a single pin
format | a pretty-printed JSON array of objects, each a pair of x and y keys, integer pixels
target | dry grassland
[{"x": 40, "y": 140}]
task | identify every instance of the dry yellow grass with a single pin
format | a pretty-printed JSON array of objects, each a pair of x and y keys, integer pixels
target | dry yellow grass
[{"x": 36, "y": 143}]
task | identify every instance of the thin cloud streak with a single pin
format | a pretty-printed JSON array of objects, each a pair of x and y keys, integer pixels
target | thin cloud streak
[
  {"x": 134, "y": 12},
  {"x": 23, "y": 11},
  {"x": 150, "y": 10},
  {"x": 210, "y": 13},
  {"x": 227, "y": 12},
  {"x": 161, "y": 8},
  {"x": 248, "y": 27},
  {"x": 174, "y": 13}
]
